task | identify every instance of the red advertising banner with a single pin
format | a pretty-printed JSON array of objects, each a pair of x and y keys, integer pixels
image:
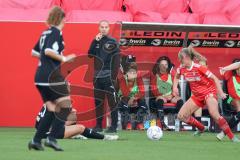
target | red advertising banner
[{"x": 20, "y": 99}]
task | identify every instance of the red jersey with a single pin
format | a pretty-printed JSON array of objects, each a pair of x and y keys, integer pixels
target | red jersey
[
  {"x": 127, "y": 88},
  {"x": 198, "y": 77},
  {"x": 230, "y": 84}
]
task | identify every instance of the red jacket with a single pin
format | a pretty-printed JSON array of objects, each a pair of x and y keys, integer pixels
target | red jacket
[{"x": 126, "y": 89}]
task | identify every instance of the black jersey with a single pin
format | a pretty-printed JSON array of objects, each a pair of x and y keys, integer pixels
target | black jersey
[
  {"x": 107, "y": 59},
  {"x": 48, "y": 70}
]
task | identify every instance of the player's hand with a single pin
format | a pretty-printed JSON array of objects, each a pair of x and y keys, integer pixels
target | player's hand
[
  {"x": 98, "y": 37},
  {"x": 161, "y": 97},
  {"x": 223, "y": 95},
  {"x": 221, "y": 70},
  {"x": 169, "y": 97},
  {"x": 175, "y": 92},
  {"x": 70, "y": 58}
]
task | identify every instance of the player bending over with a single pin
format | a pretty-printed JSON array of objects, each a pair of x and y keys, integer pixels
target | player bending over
[
  {"x": 204, "y": 86},
  {"x": 132, "y": 97}
]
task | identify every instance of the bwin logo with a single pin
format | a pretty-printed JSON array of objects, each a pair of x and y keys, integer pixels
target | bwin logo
[
  {"x": 123, "y": 42},
  {"x": 195, "y": 43},
  {"x": 229, "y": 44},
  {"x": 156, "y": 42}
]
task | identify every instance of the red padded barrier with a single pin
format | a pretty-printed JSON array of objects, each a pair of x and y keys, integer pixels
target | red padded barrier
[
  {"x": 165, "y": 7},
  {"x": 234, "y": 15},
  {"x": 114, "y": 5},
  {"x": 217, "y": 18},
  {"x": 183, "y": 18},
  {"x": 14, "y": 14},
  {"x": 207, "y": 6},
  {"x": 96, "y": 16},
  {"x": 148, "y": 17},
  {"x": 29, "y": 4}
]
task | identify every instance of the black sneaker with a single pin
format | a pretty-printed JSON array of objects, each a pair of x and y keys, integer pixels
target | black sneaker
[
  {"x": 52, "y": 144},
  {"x": 97, "y": 129},
  {"x": 166, "y": 128},
  {"x": 35, "y": 145},
  {"x": 111, "y": 130}
]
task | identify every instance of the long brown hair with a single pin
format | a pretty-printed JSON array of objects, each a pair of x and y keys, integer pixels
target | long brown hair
[
  {"x": 192, "y": 53},
  {"x": 156, "y": 69},
  {"x": 55, "y": 16}
]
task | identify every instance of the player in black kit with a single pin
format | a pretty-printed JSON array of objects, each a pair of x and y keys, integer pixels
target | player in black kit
[
  {"x": 54, "y": 89},
  {"x": 49, "y": 81}
]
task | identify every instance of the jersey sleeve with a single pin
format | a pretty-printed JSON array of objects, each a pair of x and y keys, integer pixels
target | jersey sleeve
[
  {"x": 204, "y": 70},
  {"x": 123, "y": 87},
  {"x": 140, "y": 84},
  {"x": 227, "y": 75},
  {"x": 92, "y": 49},
  {"x": 52, "y": 43},
  {"x": 36, "y": 49}
]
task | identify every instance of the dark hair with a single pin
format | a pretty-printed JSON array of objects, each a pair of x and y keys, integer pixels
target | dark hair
[
  {"x": 126, "y": 60},
  {"x": 55, "y": 17},
  {"x": 234, "y": 61},
  {"x": 156, "y": 70},
  {"x": 131, "y": 65}
]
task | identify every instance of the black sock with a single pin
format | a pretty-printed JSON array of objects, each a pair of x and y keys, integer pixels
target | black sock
[
  {"x": 57, "y": 127},
  {"x": 44, "y": 126},
  {"x": 114, "y": 117},
  {"x": 159, "y": 104},
  {"x": 199, "y": 119},
  {"x": 234, "y": 121},
  {"x": 179, "y": 105},
  {"x": 89, "y": 133}
]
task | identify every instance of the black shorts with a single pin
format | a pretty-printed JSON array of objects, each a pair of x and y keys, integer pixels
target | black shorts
[{"x": 51, "y": 93}]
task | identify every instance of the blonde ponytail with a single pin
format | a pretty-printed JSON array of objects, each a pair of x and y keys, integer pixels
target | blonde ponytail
[
  {"x": 196, "y": 55},
  {"x": 192, "y": 53}
]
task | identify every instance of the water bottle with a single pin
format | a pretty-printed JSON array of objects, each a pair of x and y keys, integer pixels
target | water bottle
[{"x": 177, "y": 125}]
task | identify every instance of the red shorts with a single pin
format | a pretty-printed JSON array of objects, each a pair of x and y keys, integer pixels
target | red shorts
[{"x": 200, "y": 101}]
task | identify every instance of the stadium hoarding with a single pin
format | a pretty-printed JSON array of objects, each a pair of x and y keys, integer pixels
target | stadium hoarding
[{"x": 17, "y": 79}]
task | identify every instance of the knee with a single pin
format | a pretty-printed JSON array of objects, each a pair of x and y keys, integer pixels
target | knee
[
  {"x": 159, "y": 103},
  {"x": 183, "y": 117},
  {"x": 180, "y": 116},
  {"x": 80, "y": 128},
  {"x": 142, "y": 105},
  {"x": 64, "y": 109},
  {"x": 122, "y": 107},
  {"x": 238, "y": 115}
]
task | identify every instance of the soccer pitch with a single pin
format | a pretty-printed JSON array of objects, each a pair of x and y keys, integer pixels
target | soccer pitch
[{"x": 134, "y": 145}]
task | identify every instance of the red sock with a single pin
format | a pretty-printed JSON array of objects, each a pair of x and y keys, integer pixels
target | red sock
[
  {"x": 193, "y": 122},
  {"x": 225, "y": 127}
]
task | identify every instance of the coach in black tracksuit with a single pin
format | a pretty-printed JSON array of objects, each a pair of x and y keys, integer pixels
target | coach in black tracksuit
[{"x": 105, "y": 51}]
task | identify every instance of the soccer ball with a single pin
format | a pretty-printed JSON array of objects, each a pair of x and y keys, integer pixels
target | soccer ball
[{"x": 154, "y": 133}]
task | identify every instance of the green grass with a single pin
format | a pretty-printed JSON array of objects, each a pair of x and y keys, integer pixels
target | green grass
[{"x": 135, "y": 146}]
